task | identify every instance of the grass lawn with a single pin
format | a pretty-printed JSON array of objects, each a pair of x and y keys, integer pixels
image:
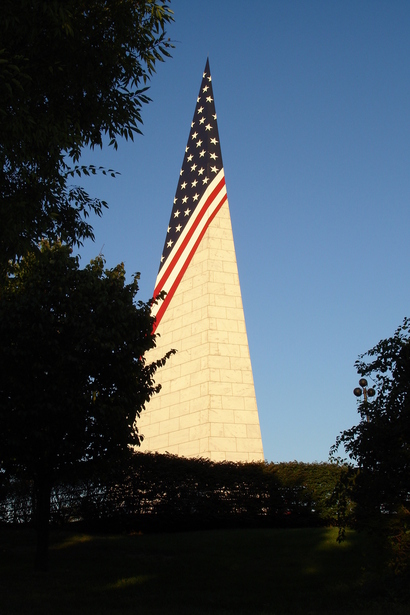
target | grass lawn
[{"x": 232, "y": 572}]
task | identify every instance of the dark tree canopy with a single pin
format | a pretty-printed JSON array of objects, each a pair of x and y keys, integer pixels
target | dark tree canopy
[
  {"x": 73, "y": 373},
  {"x": 379, "y": 446},
  {"x": 71, "y": 72}
]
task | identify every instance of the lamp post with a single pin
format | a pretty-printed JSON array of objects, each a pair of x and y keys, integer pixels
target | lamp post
[{"x": 366, "y": 392}]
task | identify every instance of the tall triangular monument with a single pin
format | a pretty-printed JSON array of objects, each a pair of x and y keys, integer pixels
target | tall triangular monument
[{"x": 207, "y": 404}]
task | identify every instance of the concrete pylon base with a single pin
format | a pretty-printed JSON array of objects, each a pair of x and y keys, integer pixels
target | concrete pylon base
[{"x": 207, "y": 405}]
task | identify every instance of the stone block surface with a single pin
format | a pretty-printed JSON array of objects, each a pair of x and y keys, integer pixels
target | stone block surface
[{"x": 207, "y": 405}]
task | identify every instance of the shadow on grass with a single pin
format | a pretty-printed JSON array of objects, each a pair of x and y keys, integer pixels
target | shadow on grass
[{"x": 255, "y": 572}]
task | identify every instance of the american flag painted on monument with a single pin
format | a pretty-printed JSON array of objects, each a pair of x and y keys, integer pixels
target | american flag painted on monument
[{"x": 200, "y": 194}]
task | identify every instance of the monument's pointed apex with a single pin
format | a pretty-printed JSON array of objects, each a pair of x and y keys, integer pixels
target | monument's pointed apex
[
  {"x": 199, "y": 196},
  {"x": 207, "y": 405}
]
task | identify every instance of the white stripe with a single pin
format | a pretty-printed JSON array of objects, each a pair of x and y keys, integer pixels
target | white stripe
[{"x": 179, "y": 264}]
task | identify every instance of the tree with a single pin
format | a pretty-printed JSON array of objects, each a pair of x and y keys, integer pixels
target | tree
[
  {"x": 71, "y": 72},
  {"x": 73, "y": 373},
  {"x": 379, "y": 446}
]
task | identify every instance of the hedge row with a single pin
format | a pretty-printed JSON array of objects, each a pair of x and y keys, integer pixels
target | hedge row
[{"x": 155, "y": 492}]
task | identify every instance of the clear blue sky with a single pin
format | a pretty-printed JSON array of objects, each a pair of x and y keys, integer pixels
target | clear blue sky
[{"x": 313, "y": 104}]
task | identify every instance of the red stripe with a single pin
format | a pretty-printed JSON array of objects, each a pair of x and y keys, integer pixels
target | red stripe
[
  {"x": 184, "y": 267},
  {"x": 182, "y": 247}
]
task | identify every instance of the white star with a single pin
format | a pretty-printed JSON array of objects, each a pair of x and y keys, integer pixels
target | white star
[
  {"x": 205, "y": 180},
  {"x": 162, "y": 258},
  {"x": 194, "y": 183},
  {"x": 187, "y": 212},
  {"x": 198, "y": 99},
  {"x": 194, "y": 135},
  {"x": 178, "y": 228},
  {"x": 203, "y": 76},
  {"x": 168, "y": 229},
  {"x": 214, "y": 141},
  {"x": 200, "y": 171},
  {"x": 214, "y": 169},
  {"x": 205, "y": 89},
  {"x": 202, "y": 153},
  {"x": 181, "y": 171},
  {"x": 193, "y": 167},
  {"x": 176, "y": 214},
  {"x": 187, "y": 148},
  {"x": 199, "y": 143},
  {"x": 192, "y": 124},
  {"x": 190, "y": 157},
  {"x": 209, "y": 78},
  {"x": 209, "y": 99},
  {"x": 208, "y": 127},
  {"x": 213, "y": 156},
  {"x": 195, "y": 197},
  {"x": 175, "y": 200},
  {"x": 183, "y": 186},
  {"x": 169, "y": 244},
  {"x": 202, "y": 120},
  {"x": 184, "y": 200},
  {"x": 214, "y": 116},
  {"x": 200, "y": 109}
]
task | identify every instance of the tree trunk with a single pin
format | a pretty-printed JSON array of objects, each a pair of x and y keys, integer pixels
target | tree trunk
[{"x": 43, "y": 493}]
